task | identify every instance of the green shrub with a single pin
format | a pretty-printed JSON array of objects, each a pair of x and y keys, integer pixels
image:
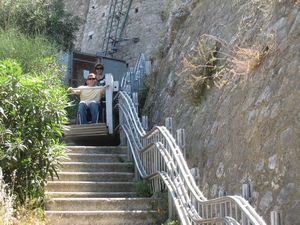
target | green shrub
[
  {"x": 32, "y": 113},
  {"x": 30, "y": 52},
  {"x": 45, "y": 17},
  {"x": 142, "y": 188}
]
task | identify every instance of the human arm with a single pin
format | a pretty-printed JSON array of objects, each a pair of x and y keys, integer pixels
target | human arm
[{"x": 73, "y": 91}]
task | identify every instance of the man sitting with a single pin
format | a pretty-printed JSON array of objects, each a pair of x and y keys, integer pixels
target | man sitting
[{"x": 90, "y": 96}]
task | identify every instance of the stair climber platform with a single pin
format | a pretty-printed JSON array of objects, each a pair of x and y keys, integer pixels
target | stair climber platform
[
  {"x": 89, "y": 134},
  {"x": 96, "y": 187}
]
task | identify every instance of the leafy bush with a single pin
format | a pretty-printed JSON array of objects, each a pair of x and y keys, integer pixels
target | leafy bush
[
  {"x": 32, "y": 113},
  {"x": 46, "y": 17}
]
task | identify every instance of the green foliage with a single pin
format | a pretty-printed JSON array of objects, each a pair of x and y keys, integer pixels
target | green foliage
[
  {"x": 161, "y": 206},
  {"x": 32, "y": 114},
  {"x": 142, "y": 188},
  {"x": 72, "y": 108},
  {"x": 173, "y": 222},
  {"x": 31, "y": 52},
  {"x": 46, "y": 17}
]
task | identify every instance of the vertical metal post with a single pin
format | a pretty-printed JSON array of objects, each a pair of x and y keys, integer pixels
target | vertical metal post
[
  {"x": 169, "y": 124},
  {"x": 276, "y": 218},
  {"x": 147, "y": 67},
  {"x": 123, "y": 139},
  {"x": 180, "y": 137},
  {"x": 221, "y": 192},
  {"x": 109, "y": 81},
  {"x": 145, "y": 122},
  {"x": 171, "y": 210},
  {"x": 246, "y": 191},
  {"x": 135, "y": 100},
  {"x": 196, "y": 174}
]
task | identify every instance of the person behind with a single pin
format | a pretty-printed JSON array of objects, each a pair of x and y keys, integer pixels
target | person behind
[
  {"x": 99, "y": 72},
  {"x": 89, "y": 99}
]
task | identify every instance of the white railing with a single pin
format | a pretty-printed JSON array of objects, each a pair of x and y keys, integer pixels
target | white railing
[
  {"x": 132, "y": 81},
  {"x": 159, "y": 160}
]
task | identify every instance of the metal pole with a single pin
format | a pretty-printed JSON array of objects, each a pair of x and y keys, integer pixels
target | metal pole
[
  {"x": 181, "y": 140},
  {"x": 169, "y": 124},
  {"x": 145, "y": 122}
]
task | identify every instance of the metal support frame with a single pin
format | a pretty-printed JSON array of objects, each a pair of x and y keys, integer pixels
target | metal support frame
[
  {"x": 109, "y": 81},
  {"x": 180, "y": 137},
  {"x": 276, "y": 218},
  {"x": 169, "y": 124},
  {"x": 246, "y": 191},
  {"x": 115, "y": 25},
  {"x": 145, "y": 122}
]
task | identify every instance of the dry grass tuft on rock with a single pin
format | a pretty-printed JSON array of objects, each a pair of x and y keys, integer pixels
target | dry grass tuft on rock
[
  {"x": 214, "y": 62},
  {"x": 203, "y": 67},
  {"x": 246, "y": 60}
]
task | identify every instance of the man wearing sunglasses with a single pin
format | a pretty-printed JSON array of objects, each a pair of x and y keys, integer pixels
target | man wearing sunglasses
[{"x": 90, "y": 96}]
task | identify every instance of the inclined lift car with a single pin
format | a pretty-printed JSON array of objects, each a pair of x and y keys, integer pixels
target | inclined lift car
[{"x": 104, "y": 132}]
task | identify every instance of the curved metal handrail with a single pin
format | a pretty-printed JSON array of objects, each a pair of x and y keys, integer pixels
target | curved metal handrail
[{"x": 159, "y": 159}]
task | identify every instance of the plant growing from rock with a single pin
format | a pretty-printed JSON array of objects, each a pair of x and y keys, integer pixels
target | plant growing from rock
[
  {"x": 245, "y": 60},
  {"x": 215, "y": 62},
  {"x": 202, "y": 67},
  {"x": 142, "y": 188}
]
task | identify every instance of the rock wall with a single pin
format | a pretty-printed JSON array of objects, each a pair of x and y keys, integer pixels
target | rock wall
[
  {"x": 247, "y": 131},
  {"x": 145, "y": 26}
]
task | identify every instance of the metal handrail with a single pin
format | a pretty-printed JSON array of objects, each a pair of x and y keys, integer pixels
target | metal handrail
[
  {"x": 133, "y": 79},
  {"x": 159, "y": 159}
]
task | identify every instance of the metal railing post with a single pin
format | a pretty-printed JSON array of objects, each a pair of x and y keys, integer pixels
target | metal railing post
[
  {"x": 109, "y": 81},
  {"x": 145, "y": 122},
  {"x": 171, "y": 207},
  {"x": 123, "y": 139},
  {"x": 276, "y": 218},
  {"x": 135, "y": 100},
  {"x": 246, "y": 191},
  {"x": 169, "y": 124},
  {"x": 180, "y": 137}
]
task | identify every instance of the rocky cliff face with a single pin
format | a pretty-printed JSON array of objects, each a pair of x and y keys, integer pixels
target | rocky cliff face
[{"x": 246, "y": 130}]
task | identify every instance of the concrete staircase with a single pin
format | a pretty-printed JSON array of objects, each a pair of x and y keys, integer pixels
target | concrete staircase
[{"x": 96, "y": 187}]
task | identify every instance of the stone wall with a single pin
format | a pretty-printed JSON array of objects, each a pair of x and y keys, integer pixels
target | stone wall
[
  {"x": 247, "y": 131},
  {"x": 144, "y": 30}
]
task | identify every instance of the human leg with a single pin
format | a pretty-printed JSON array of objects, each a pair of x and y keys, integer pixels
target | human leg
[
  {"x": 82, "y": 112},
  {"x": 94, "y": 108}
]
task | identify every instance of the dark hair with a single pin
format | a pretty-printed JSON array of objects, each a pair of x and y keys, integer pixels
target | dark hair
[{"x": 98, "y": 65}]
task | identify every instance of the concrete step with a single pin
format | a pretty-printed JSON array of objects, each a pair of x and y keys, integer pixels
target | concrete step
[
  {"x": 95, "y": 187},
  {"x": 97, "y": 149},
  {"x": 93, "y": 157},
  {"x": 137, "y": 217},
  {"x": 95, "y": 176},
  {"x": 89, "y": 186},
  {"x": 96, "y": 167},
  {"x": 100, "y": 204},
  {"x": 66, "y": 194}
]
